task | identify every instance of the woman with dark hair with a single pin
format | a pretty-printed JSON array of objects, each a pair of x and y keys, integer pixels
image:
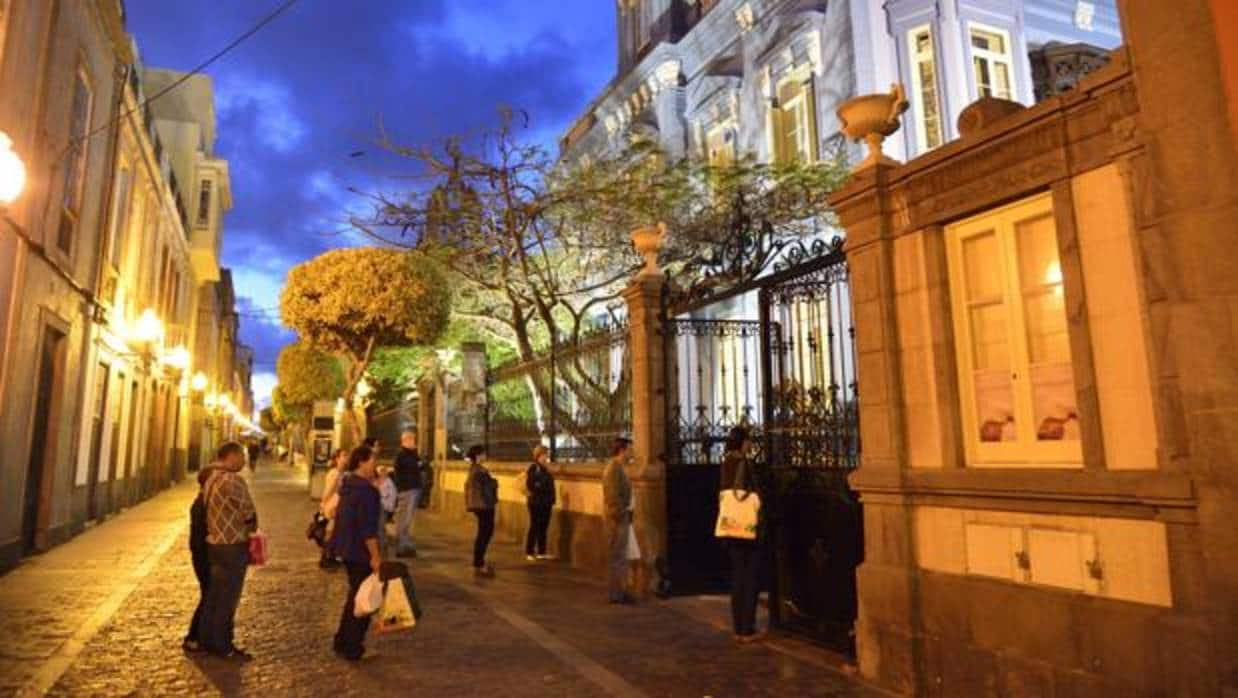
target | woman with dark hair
[
  {"x": 540, "y": 487},
  {"x": 355, "y": 541},
  {"x": 481, "y": 495},
  {"x": 736, "y": 474}
]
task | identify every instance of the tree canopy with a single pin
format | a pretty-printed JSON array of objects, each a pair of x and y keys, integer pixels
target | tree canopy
[{"x": 307, "y": 375}]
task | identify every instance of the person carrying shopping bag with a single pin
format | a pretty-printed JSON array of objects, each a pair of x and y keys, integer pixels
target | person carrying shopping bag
[
  {"x": 355, "y": 542},
  {"x": 481, "y": 496},
  {"x": 540, "y": 488},
  {"x": 231, "y": 520},
  {"x": 737, "y": 491}
]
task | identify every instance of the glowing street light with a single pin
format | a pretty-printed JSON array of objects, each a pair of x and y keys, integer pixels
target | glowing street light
[
  {"x": 12, "y": 171},
  {"x": 177, "y": 357},
  {"x": 198, "y": 382},
  {"x": 149, "y": 328}
]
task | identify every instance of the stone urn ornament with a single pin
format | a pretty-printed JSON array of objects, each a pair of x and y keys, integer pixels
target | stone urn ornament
[
  {"x": 648, "y": 242},
  {"x": 870, "y": 118}
]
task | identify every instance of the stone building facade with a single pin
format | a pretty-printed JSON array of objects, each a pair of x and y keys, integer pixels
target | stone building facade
[
  {"x": 98, "y": 280},
  {"x": 1047, "y": 385}
]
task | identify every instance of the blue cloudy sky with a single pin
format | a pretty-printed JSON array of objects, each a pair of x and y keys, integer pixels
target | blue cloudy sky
[{"x": 299, "y": 97}]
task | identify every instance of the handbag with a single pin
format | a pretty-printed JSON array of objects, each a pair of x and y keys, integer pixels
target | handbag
[
  {"x": 396, "y": 613},
  {"x": 633, "y": 545},
  {"x": 317, "y": 529},
  {"x": 739, "y": 510},
  {"x": 258, "y": 549}
]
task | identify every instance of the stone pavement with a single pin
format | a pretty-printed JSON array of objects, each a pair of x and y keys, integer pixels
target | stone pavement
[{"x": 104, "y": 615}]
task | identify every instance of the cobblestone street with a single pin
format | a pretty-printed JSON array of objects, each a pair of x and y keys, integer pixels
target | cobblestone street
[{"x": 104, "y": 615}]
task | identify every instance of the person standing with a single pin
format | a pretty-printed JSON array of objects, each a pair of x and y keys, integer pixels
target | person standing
[
  {"x": 540, "y": 484},
  {"x": 481, "y": 496},
  {"x": 387, "y": 501},
  {"x": 330, "y": 503},
  {"x": 201, "y": 561},
  {"x": 230, "y": 520},
  {"x": 736, "y": 474},
  {"x": 408, "y": 493},
  {"x": 254, "y": 452},
  {"x": 617, "y": 496},
  {"x": 355, "y": 541}
]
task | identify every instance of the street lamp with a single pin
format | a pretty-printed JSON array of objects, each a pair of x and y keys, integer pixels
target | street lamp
[
  {"x": 177, "y": 358},
  {"x": 149, "y": 328},
  {"x": 198, "y": 382},
  {"x": 12, "y": 171}
]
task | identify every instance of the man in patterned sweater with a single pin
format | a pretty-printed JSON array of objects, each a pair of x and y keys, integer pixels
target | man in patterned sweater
[{"x": 230, "y": 519}]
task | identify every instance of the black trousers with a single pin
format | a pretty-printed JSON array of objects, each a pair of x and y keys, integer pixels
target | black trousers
[
  {"x": 228, "y": 566},
  {"x": 745, "y": 561},
  {"x": 350, "y": 637},
  {"x": 485, "y": 531},
  {"x": 539, "y": 523},
  {"x": 201, "y": 570}
]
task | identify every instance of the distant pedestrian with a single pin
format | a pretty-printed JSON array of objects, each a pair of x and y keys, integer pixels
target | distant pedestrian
[
  {"x": 617, "y": 497},
  {"x": 230, "y": 520},
  {"x": 736, "y": 474},
  {"x": 355, "y": 541},
  {"x": 254, "y": 451},
  {"x": 540, "y": 484},
  {"x": 408, "y": 485},
  {"x": 481, "y": 496},
  {"x": 329, "y": 503},
  {"x": 387, "y": 499},
  {"x": 201, "y": 560}
]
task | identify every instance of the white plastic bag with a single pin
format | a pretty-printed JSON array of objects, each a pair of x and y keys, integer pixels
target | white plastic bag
[
  {"x": 369, "y": 597},
  {"x": 633, "y": 545},
  {"x": 397, "y": 612},
  {"x": 738, "y": 513}
]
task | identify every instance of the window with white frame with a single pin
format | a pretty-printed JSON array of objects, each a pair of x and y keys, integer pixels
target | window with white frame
[
  {"x": 1015, "y": 373},
  {"x": 75, "y": 160},
  {"x": 991, "y": 62},
  {"x": 794, "y": 122},
  {"x": 925, "y": 91}
]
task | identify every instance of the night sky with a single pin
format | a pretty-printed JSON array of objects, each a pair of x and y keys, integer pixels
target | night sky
[{"x": 297, "y": 100}]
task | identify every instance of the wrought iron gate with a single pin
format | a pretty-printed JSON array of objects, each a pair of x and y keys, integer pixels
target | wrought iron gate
[
  {"x": 790, "y": 378},
  {"x": 812, "y": 440}
]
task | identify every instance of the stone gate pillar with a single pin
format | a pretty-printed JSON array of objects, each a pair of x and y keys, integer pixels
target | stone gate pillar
[{"x": 648, "y": 470}]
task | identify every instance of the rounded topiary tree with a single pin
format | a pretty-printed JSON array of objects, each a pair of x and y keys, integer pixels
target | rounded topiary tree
[{"x": 352, "y": 301}]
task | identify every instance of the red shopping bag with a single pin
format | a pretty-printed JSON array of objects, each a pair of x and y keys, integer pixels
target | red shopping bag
[{"x": 258, "y": 548}]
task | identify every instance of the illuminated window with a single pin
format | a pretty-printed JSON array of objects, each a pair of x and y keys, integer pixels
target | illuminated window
[
  {"x": 924, "y": 88},
  {"x": 75, "y": 160},
  {"x": 991, "y": 62},
  {"x": 794, "y": 123},
  {"x": 1015, "y": 375}
]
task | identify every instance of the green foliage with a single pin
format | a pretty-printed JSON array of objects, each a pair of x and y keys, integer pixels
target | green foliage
[
  {"x": 307, "y": 375},
  {"x": 267, "y": 420},
  {"x": 287, "y": 413}
]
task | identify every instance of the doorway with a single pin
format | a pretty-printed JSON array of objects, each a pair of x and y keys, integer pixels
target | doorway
[{"x": 43, "y": 448}]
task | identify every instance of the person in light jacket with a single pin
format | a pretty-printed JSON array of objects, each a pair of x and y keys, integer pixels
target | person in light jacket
[
  {"x": 540, "y": 484},
  {"x": 355, "y": 541},
  {"x": 330, "y": 502},
  {"x": 481, "y": 496},
  {"x": 617, "y": 496},
  {"x": 736, "y": 474}
]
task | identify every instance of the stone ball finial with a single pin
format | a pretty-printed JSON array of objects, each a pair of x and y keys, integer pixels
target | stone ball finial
[
  {"x": 984, "y": 112},
  {"x": 871, "y": 118}
]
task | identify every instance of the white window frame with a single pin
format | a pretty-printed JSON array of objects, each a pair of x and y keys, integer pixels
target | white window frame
[
  {"x": 204, "y": 212},
  {"x": 914, "y": 59},
  {"x": 992, "y": 57},
  {"x": 1026, "y": 451}
]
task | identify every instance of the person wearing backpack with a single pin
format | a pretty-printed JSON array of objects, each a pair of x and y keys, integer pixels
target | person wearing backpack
[
  {"x": 736, "y": 474},
  {"x": 539, "y": 486},
  {"x": 355, "y": 541},
  {"x": 481, "y": 496},
  {"x": 201, "y": 562}
]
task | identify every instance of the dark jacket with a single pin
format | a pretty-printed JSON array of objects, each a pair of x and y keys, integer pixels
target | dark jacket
[
  {"x": 481, "y": 490},
  {"x": 356, "y": 519},
  {"x": 407, "y": 470},
  {"x": 541, "y": 485},
  {"x": 197, "y": 514},
  {"x": 730, "y": 470}
]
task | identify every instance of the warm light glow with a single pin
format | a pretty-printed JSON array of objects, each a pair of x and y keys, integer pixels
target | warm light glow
[
  {"x": 149, "y": 328},
  {"x": 12, "y": 172},
  {"x": 1053, "y": 273},
  {"x": 363, "y": 388},
  {"x": 211, "y": 400},
  {"x": 177, "y": 357},
  {"x": 198, "y": 382}
]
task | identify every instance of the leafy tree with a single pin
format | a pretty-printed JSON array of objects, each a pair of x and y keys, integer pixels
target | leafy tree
[
  {"x": 350, "y": 302},
  {"x": 267, "y": 420},
  {"x": 307, "y": 375}
]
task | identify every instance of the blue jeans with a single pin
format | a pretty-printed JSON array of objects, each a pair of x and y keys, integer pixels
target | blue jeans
[{"x": 405, "y": 508}]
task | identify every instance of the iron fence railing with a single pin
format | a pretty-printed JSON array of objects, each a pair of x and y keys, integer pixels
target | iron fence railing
[{"x": 574, "y": 398}]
